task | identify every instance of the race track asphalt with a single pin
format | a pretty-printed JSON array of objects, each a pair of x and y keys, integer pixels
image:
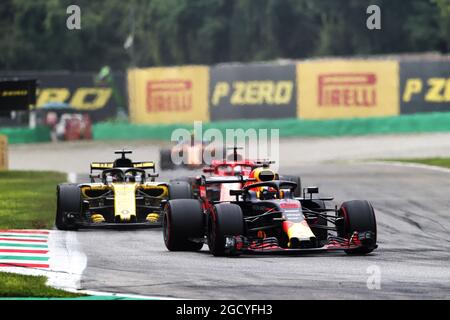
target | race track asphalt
[{"x": 412, "y": 208}]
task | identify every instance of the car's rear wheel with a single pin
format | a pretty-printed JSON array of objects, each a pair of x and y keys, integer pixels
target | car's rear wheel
[
  {"x": 192, "y": 181},
  {"x": 180, "y": 190},
  {"x": 183, "y": 222},
  {"x": 298, "y": 181},
  {"x": 359, "y": 216},
  {"x": 165, "y": 161},
  {"x": 68, "y": 202},
  {"x": 225, "y": 220}
]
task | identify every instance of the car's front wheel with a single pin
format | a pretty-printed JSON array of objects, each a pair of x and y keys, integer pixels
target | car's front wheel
[
  {"x": 68, "y": 202},
  {"x": 183, "y": 223},
  {"x": 358, "y": 216},
  {"x": 225, "y": 220}
]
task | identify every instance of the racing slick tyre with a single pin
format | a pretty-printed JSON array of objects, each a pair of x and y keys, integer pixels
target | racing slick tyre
[
  {"x": 297, "y": 180},
  {"x": 192, "y": 181},
  {"x": 358, "y": 216},
  {"x": 226, "y": 220},
  {"x": 183, "y": 221},
  {"x": 68, "y": 201},
  {"x": 180, "y": 190},
  {"x": 165, "y": 159}
]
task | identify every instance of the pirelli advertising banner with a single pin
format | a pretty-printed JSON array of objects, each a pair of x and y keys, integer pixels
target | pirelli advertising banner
[
  {"x": 3, "y": 153},
  {"x": 252, "y": 91},
  {"x": 168, "y": 95},
  {"x": 347, "y": 89},
  {"x": 425, "y": 86}
]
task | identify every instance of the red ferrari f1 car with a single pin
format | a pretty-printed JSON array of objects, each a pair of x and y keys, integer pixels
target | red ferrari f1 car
[
  {"x": 259, "y": 214},
  {"x": 235, "y": 165}
]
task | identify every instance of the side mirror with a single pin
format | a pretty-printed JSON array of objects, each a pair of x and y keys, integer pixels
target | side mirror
[
  {"x": 208, "y": 170},
  {"x": 312, "y": 190}
]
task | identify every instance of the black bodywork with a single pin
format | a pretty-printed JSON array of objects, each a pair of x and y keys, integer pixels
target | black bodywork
[{"x": 265, "y": 217}]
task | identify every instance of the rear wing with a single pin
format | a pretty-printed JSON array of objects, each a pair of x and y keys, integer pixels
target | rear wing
[
  {"x": 144, "y": 165},
  {"x": 100, "y": 166}
]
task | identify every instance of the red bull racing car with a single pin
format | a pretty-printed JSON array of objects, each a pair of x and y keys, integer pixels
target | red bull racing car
[{"x": 260, "y": 214}]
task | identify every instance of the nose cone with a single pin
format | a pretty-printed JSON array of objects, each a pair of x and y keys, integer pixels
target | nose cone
[
  {"x": 124, "y": 201},
  {"x": 299, "y": 234}
]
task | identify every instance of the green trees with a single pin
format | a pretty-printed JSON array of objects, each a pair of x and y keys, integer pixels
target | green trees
[{"x": 168, "y": 32}]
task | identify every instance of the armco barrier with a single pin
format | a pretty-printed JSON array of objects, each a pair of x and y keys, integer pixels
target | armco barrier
[
  {"x": 26, "y": 135},
  {"x": 417, "y": 123},
  {"x": 3, "y": 153}
]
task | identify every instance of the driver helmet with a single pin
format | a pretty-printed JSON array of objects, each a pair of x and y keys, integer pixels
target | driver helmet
[
  {"x": 130, "y": 177},
  {"x": 261, "y": 175},
  {"x": 117, "y": 177}
]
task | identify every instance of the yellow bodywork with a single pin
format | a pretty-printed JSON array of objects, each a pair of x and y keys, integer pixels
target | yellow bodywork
[
  {"x": 97, "y": 218},
  {"x": 152, "y": 217},
  {"x": 300, "y": 230},
  {"x": 125, "y": 198}
]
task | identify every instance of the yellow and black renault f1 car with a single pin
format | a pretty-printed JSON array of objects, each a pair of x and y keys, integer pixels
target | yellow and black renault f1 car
[
  {"x": 260, "y": 214},
  {"x": 124, "y": 194}
]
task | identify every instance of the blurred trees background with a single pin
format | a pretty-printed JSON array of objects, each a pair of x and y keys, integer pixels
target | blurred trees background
[{"x": 172, "y": 32}]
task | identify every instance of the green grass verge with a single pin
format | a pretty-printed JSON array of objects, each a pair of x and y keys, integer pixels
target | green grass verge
[
  {"x": 17, "y": 286},
  {"x": 440, "y": 162},
  {"x": 28, "y": 199}
]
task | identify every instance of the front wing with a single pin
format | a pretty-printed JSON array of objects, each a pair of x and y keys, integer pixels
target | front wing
[
  {"x": 118, "y": 225},
  {"x": 241, "y": 244},
  {"x": 79, "y": 222}
]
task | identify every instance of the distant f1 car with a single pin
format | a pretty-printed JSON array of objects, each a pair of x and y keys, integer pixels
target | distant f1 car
[
  {"x": 235, "y": 165},
  {"x": 263, "y": 217},
  {"x": 192, "y": 153},
  {"x": 125, "y": 196}
]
